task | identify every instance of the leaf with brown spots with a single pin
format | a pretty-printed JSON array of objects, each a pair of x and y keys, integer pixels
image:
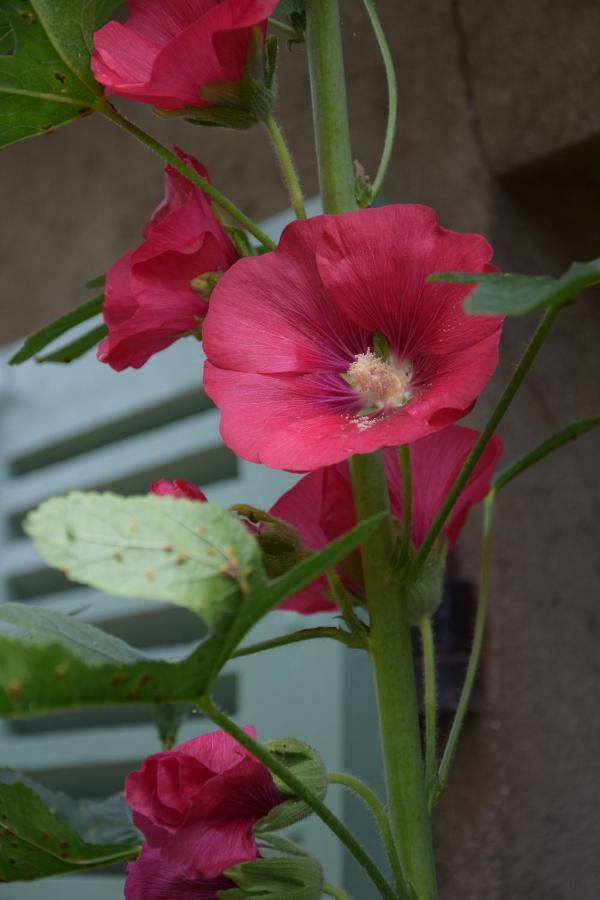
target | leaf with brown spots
[{"x": 45, "y": 832}]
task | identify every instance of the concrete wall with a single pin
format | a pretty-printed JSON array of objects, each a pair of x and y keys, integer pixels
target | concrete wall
[{"x": 499, "y": 131}]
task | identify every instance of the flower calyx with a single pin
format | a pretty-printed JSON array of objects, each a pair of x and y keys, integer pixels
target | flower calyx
[
  {"x": 306, "y": 764},
  {"x": 279, "y": 542},
  {"x": 425, "y": 593},
  {"x": 238, "y": 104},
  {"x": 282, "y": 870},
  {"x": 205, "y": 284}
]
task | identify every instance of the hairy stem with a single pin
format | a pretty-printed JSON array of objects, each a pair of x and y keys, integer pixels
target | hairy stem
[
  {"x": 465, "y": 697},
  {"x": 430, "y": 694},
  {"x": 374, "y": 803},
  {"x": 288, "y": 169},
  {"x": 391, "y": 657},
  {"x": 307, "y": 634},
  {"x": 390, "y": 74},
  {"x": 330, "y": 110},
  {"x": 109, "y": 112}
]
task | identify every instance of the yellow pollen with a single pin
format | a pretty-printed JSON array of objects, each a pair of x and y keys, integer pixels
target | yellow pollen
[{"x": 381, "y": 384}]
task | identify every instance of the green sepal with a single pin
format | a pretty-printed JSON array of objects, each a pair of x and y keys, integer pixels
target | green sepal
[
  {"x": 54, "y": 330},
  {"x": 279, "y": 542},
  {"x": 205, "y": 284},
  {"x": 45, "y": 832},
  {"x": 295, "y": 10},
  {"x": 282, "y": 870},
  {"x": 425, "y": 594},
  {"x": 238, "y": 104},
  {"x": 306, "y": 764}
]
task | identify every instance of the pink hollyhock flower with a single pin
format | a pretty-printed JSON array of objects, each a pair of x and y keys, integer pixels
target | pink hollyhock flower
[
  {"x": 178, "y": 488},
  {"x": 321, "y": 509},
  {"x": 148, "y": 878},
  {"x": 336, "y": 344},
  {"x": 197, "y": 804},
  {"x": 149, "y": 299},
  {"x": 168, "y": 51}
]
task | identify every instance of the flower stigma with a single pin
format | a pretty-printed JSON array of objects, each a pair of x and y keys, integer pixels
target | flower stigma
[{"x": 382, "y": 384}]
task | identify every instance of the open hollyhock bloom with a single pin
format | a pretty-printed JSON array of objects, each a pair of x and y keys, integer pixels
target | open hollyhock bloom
[
  {"x": 336, "y": 344},
  {"x": 148, "y": 878},
  {"x": 321, "y": 508},
  {"x": 150, "y": 301},
  {"x": 197, "y": 804},
  {"x": 169, "y": 50}
]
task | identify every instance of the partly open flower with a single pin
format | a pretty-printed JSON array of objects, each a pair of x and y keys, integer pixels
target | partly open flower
[
  {"x": 168, "y": 52},
  {"x": 150, "y": 301},
  {"x": 197, "y": 804},
  {"x": 336, "y": 344},
  {"x": 320, "y": 506}
]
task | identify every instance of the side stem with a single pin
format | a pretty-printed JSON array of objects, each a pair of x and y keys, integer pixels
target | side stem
[
  {"x": 471, "y": 461},
  {"x": 430, "y": 693},
  {"x": 173, "y": 160},
  {"x": 463, "y": 703},
  {"x": 391, "y": 657},
  {"x": 288, "y": 169},
  {"x": 376, "y": 807},
  {"x": 330, "y": 108},
  {"x": 390, "y": 74}
]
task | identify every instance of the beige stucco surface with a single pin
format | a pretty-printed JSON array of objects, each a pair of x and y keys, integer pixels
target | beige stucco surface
[{"x": 487, "y": 89}]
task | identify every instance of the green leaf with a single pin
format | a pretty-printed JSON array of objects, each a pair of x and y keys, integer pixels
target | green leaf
[
  {"x": 516, "y": 295},
  {"x": 558, "y": 440},
  {"x": 45, "y": 76},
  {"x": 49, "y": 333},
  {"x": 50, "y": 661},
  {"x": 304, "y": 761},
  {"x": 45, "y": 833},
  {"x": 194, "y": 554},
  {"x": 77, "y": 348}
]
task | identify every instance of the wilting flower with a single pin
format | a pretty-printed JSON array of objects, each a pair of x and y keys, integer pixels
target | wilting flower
[
  {"x": 167, "y": 52},
  {"x": 336, "y": 344},
  {"x": 321, "y": 509},
  {"x": 150, "y": 301},
  {"x": 148, "y": 878},
  {"x": 178, "y": 488},
  {"x": 197, "y": 804}
]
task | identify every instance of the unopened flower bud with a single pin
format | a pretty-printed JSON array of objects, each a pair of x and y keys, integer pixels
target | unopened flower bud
[{"x": 206, "y": 283}]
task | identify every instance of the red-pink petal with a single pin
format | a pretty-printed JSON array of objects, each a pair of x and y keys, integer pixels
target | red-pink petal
[
  {"x": 148, "y": 878},
  {"x": 178, "y": 488}
]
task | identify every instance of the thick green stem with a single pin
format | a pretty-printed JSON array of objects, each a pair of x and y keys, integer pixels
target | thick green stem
[
  {"x": 391, "y": 656},
  {"x": 330, "y": 110},
  {"x": 376, "y": 807},
  {"x": 504, "y": 402},
  {"x": 465, "y": 697},
  {"x": 288, "y": 170},
  {"x": 187, "y": 171},
  {"x": 390, "y": 74},
  {"x": 430, "y": 695},
  {"x": 206, "y": 705},
  {"x": 307, "y": 634}
]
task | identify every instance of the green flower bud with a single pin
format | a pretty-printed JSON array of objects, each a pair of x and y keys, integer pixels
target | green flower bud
[{"x": 307, "y": 765}]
